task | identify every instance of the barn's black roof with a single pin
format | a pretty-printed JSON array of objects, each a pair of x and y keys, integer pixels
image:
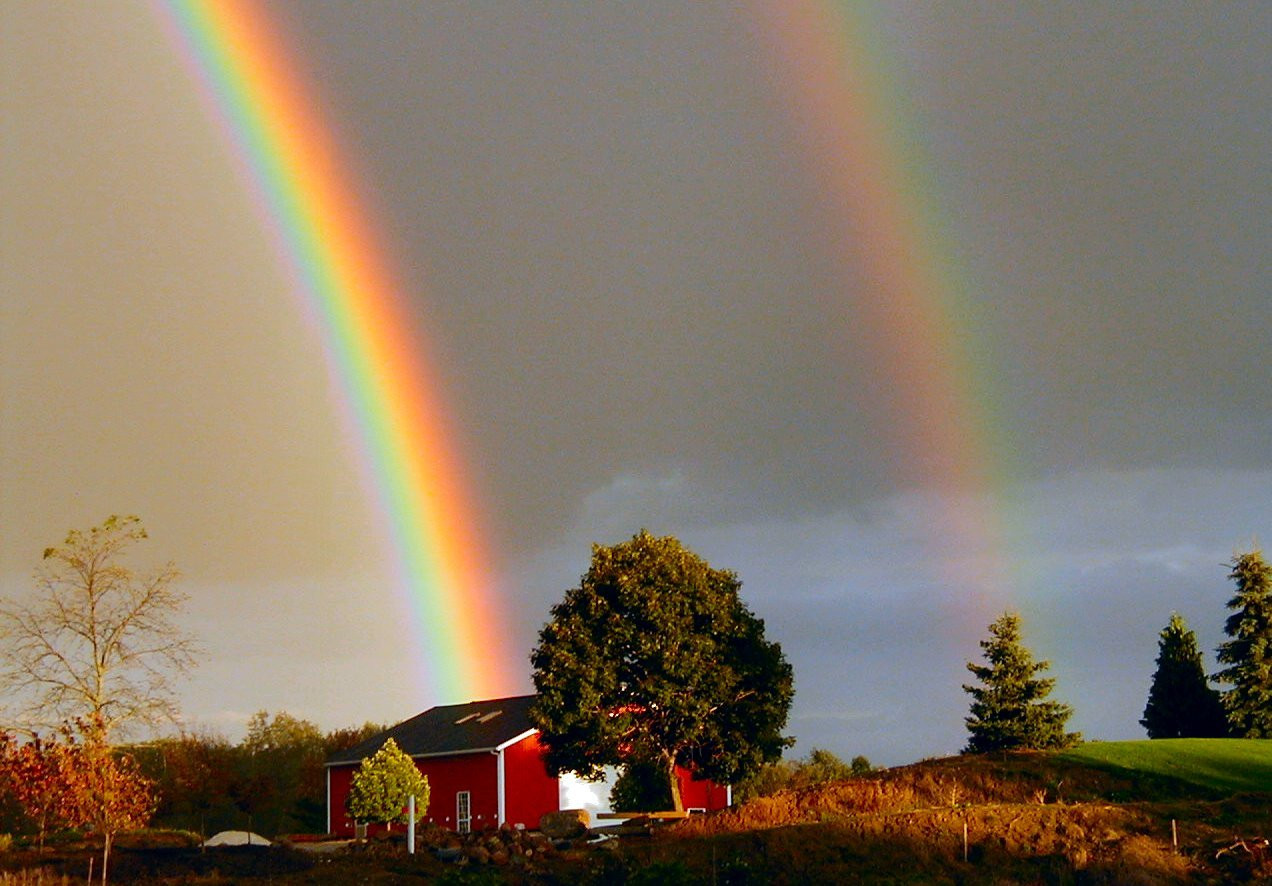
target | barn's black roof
[{"x": 450, "y": 729}]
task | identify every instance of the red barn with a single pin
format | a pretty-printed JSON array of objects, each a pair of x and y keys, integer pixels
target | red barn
[{"x": 484, "y": 768}]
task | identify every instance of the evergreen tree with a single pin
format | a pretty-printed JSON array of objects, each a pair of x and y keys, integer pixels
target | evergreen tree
[
  {"x": 383, "y": 783},
  {"x": 1249, "y": 652},
  {"x": 1008, "y": 710},
  {"x": 1180, "y": 703}
]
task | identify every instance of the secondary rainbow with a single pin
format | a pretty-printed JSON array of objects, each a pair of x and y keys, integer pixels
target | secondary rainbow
[
  {"x": 855, "y": 139},
  {"x": 309, "y": 205}
]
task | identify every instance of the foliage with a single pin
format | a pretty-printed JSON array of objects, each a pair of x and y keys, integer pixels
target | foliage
[
  {"x": 199, "y": 772},
  {"x": 654, "y": 659},
  {"x": 1249, "y": 652},
  {"x": 33, "y": 774},
  {"x": 1008, "y": 710},
  {"x": 823, "y": 766},
  {"x": 77, "y": 784},
  {"x": 275, "y": 776},
  {"x": 101, "y": 642},
  {"x": 280, "y": 776},
  {"x": 818, "y": 768},
  {"x": 1180, "y": 702},
  {"x": 383, "y": 783},
  {"x": 106, "y": 791},
  {"x": 764, "y": 782}
]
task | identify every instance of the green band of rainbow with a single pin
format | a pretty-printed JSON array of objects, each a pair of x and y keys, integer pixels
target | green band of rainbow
[{"x": 322, "y": 232}]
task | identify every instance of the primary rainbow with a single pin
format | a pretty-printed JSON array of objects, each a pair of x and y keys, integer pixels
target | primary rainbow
[
  {"x": 322, "y": 232},
  {"x": 855, "y": 139}
]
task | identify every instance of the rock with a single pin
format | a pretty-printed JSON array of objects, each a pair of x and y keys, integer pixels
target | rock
[{"x": 565, "y": 824}]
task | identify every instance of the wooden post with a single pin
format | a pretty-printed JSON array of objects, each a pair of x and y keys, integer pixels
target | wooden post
[
  {"x": 1174, "y": 836},
  {"x": 964, "y": 841}
]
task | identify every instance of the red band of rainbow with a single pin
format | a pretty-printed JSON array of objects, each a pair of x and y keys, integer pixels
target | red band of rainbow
[{"x": 323, "y": 234}]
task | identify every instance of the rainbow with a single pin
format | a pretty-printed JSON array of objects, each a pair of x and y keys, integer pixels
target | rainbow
[
  {"x": 323, "y": 235},
  {"x": 855, "y": 139}
]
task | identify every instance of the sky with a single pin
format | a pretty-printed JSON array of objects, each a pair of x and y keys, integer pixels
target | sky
[{"x": 649, "y": 300}]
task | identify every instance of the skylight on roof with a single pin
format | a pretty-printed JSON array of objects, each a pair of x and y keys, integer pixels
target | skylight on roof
[
  {"x": 486, "y": 718},
  {"x": 463, "y": 720}
]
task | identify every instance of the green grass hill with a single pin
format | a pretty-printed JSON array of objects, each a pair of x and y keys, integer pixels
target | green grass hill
[{"x": 1226, "y": 765}]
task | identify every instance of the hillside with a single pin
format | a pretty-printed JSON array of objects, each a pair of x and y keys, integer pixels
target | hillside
[
  {"x": 1099, "y": 813},
  {"x": 1227, "y": 765}
]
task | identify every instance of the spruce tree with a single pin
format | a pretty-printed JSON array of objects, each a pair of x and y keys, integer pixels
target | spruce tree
[
  {"x": 1249, "y": 652},
  {"x": 1009, "y": 711},
  {"x": 1180, "y": 703}
]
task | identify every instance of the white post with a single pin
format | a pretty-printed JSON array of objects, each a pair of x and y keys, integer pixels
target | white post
[{"x": 410, "y": 825}]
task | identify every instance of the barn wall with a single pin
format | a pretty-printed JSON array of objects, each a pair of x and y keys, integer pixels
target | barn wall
[
  {"x": 337, "y": 818},
  {"x": 528, "y": 789},
  {"x": 447, "y": 776},
  {"x": 705, "y": 794}
]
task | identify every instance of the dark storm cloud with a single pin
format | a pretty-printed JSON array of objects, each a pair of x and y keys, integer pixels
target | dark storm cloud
[{"x": 604, "y": 216}]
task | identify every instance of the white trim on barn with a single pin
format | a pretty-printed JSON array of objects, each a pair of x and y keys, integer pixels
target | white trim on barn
[
  {"x": 501, "y": 788},
  {"x": 512, "y": 741}
]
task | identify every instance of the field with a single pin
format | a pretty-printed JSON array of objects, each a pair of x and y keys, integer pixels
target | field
[
  {"x": 1116, "y": 812},
  {"x": 1222, "y": 764}
]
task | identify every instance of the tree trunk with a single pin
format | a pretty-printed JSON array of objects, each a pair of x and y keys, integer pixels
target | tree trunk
[
  {"x": 673, "y": 782},
  {"x": 105, "y": 853}
]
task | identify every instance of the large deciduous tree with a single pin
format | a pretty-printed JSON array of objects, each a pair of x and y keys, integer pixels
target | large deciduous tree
[
  {"x": 100, "y": 642},
  {"x": 654, "y": 660},
  {"x": 382, "y": 784},
  {"x": 1009, "y": 710},
  {"x": 1180, "y": 702},
  {"x": 1248, "y": 653}
]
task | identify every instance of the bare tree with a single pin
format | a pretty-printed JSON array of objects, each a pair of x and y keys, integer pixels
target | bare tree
[{"x": 99, "y": 641}]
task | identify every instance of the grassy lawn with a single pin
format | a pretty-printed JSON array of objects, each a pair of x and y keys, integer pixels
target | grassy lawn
[{"x": 1227, "y": 764}]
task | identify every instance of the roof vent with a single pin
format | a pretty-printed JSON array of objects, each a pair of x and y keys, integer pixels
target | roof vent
[{"x": 486, "y": 718}]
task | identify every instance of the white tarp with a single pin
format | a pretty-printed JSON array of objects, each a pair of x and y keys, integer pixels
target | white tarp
[{"x": 236, "y": 838}]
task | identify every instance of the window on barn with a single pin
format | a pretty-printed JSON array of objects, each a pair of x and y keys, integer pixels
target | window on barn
[{"x": 463, "y": 813}]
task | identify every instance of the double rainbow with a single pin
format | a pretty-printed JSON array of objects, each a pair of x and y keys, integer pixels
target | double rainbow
[
  {"x": 287, "y": 154},
  {"x": 852, "y": 136}
]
